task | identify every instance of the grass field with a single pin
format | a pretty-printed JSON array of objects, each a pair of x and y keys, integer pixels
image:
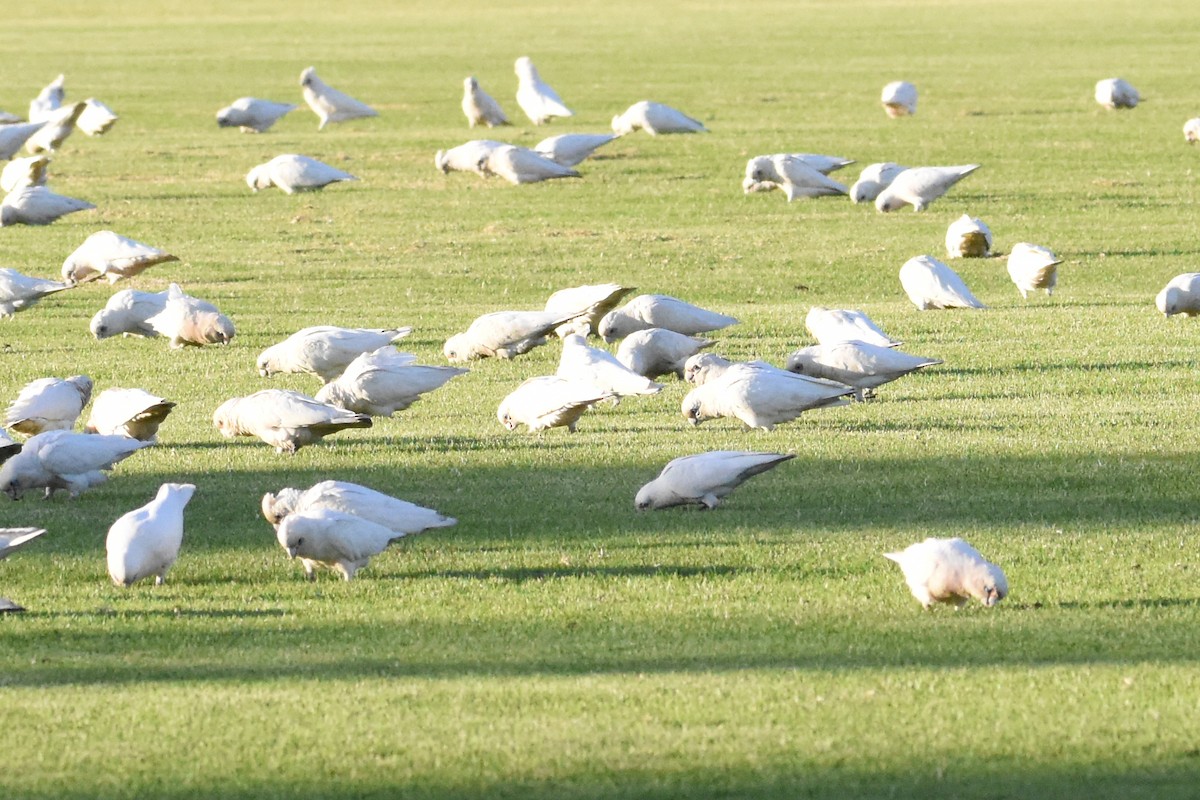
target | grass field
[{"x": 556, "y": 643}]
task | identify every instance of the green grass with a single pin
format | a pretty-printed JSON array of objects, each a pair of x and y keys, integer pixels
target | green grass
[{"x": 556, "y": 643}]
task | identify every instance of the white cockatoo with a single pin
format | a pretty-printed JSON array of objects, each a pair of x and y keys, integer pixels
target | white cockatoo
[
  {"x": 19, "y": 291},
  {"x": 899, "y": 99},
  {"x": 49, "y": 404},
  {"x": 22, "y": 172},
  {"x": 505, "y": 334},
  {"x": 324, "y": 350},
  {"x": 128, "y": 312},
  {"x": 334, "y": 539},
  {"x": 188, "y": 321},
  {"x": 60, "y": 123},
  {"x": 146, "y": 541},
  {"x": 328, "y": 103},
  {"x": 400, "y": 516},
  {"x": 519, "y": 165},
  {"x": 590, "y": 302},
  {"x": 293, "y": 173},
  {"x": 1191, "y": 130},
  {"x": 655, "y": 119},
  {"x": 950, "y": 571},
  {"x": 539, "y": 102},
  {"x": 703, "y": 368},
  {"x": 830, "y": 325},
  {"x": 470, "y": 156},
  {"x": 1116, "y": 93},
  {"x": 658, "y": 351},
  {"x": 135, "y": 413},
  {"x": 65, "y": 460},
  {"x": 590, "y": 365},
  {"x": 660, "y": 311},
  {"x": 49, "y": 100},
  {"x": 96, "y": 119},
  {"x": 14, "y": 136},
  {"x": 480, "y": 107},
  {"x": 1033, "y": 267},
  {"x": 37, "y": 205},
  {"x": 920, "y": 186},
  {"x": 863, "y": 366},
  {"x": 548, "y": 401},
  {"x": 760, "y": 398},
  {"x": 790, "y": 172},
  {"x": 284, "y": 419},
  {"x": 253, "y": 114},
  {"x": 1181, "y": 295},
  {"x": 569, "y": 149},
  {"x": 384, "y": 381},
  {"x": 704, "y": 479},
  {"x": 931, "y": 284},
  {"x": 968, "y": 237},
  {"x": 874, "y": 179},
  {"x": 109, "y": 255}
]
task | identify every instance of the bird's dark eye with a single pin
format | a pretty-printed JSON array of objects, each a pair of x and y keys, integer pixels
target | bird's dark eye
[{"x": 300, "y": 541}]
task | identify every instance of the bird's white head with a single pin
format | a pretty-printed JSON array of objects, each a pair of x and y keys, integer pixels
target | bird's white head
[
  {"x": 886, "y": 202},
  {"x": 258, "y": 178},
  {"x": 991, "y": 585},
  {"x": 1168, "y": 301},
  {"x": 620, "y": 126},
  {"x": 308, "y": 77},
  {"x": 525, "y": 69}
]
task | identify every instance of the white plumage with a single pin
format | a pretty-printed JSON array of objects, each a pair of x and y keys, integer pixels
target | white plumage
[
  {"x": 14, "y": 136},
  {"x": 401, "y": 516},
  {"x": 128, "y": 412},
  {"x": 37, "y": 205},
  {"x": 658, "y": 351},
  {"x": 59, "y": 125},
  {"x": 863, "y": 366},
  {"x": 328, "y": 103},
  {"x": 791, "y": 173},
  {"x": 1181, "y": 295},
  {"x": 109, "y": 255},
  {"x": 49, "y": 100},
  {"x": 13, "y": 539},
  {"x": 704, "y": 479},
  {"x": 49, "y": 404},
  {"x": 284, "y": 419},
  {"x": 830, "y": 325},
  {"x": 480, "y": 107},
  {"x": 760, "y": 398},
  {"x": 253, "y": 114},
  {"x": 968, "y": 237},
  {"x": 128, "y": 312},
  {"x": 1032, "y": 267},
  {"x": 293, "y": 173},
  {"x": 64, "y": 460},
  {"x": 191, "y": 322},
  {"x": 931, "y": 284},
  {"x": 660, "y": 311},
  {"x": 334, "y": 539},
  {"x": 1191, "y": 130},
  {"x": 324, "y": 350},
  {"x": 548, "y": 401},
  {"x": 146, "y": 541},
  {"x": 539, "y": 102},
  {"x": 19, "y": 291},
  {"x": 704, "y": 368},
  {"x": 655, "y": 119},
  {"x": 519, "y": 165},
  {"x": 1116, "y": 93},
  {"x": 874, "y": 179},
  {"x": 920, "y": 186},
  {"x": 950, "y": 571},
  {"x": 470, "y": 156},
  {"x": 590, "y": 303},
  {"x": 96, "y": 119},
  {"x": 601, "y": 370},
  {"x": 569, "y": 149},
  {"x": 22, "y": 172},
  {"x": 899, "y": 99},
  {"x": 505, "y": 334},
  {"x": 384, "y": 381}
]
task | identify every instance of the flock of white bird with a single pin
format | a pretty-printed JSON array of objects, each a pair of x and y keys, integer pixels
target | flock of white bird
[{"x": 341, "y": 525}]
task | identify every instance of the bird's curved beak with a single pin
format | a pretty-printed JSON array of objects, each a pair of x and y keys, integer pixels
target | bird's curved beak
[{"x": 291, "y": 551}]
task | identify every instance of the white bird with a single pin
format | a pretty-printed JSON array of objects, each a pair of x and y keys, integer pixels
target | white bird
[
  {"x": 899, "y": 99},
  {"x": 950, "y": 571},
  {"x": 658, "y": 351},
  {"x": 13, "y": 539},
  {"x": 539, "y": 102},
  {"x": 760, "y": 398},
  {"x": 109, "y": 255},
  {"x": 931, "y": 284},
  {"x": 655, "y": 119},
  {"x": 920, "y": 186},
  {"x": 480, "y": 107},
  {"x": 968, "y": 237},
  {"x": 253, "y": 114},
  {"x": 37, "y": 205},
  {"x": 49, "y": 100},
  {"x": 830, "y": 325},
  {"x": 471, "y": 156},
  {"x": 548, "y": 402},
  {"x": 284, "y": 419},
  {"x": 1191, "y": 130},
  {"x": 293, "y": 173},
  {"x": 96, "y": 119},
  {"x": 191, "y": 322},
  {"x": 704, "y": 479},
  {"x": 128, "y": 412},
  {"x": 19, "y": 291},
  {"x": 601, "y": 370},
  {"x": 14, "y": 136},
  {"x": 146, "y": 541},
  {"x": 8, "y": 118},
  {"x": 705, "y": 367},
  {"x": 334, "y": 539},
  {"x": 569, "y": 149},
  {"x": 64, "y": 460},
  {"x": 49, "y": 404},
  {"x": 324, "y": 350},
  {"x": 1116, "y": 93},
  {"x": 505, "y": 334},
  {"x": 791, "y": 173},
  {"x": 863, "y": 366},
  {"x": 590, "y": 303},
  {"x": 328, "y": 103},
  {"x": 660, "y": 311},
  {"x": 874, "y": 179},
  {"x": 59, "y": 125},
  {"x": 384, "y": 381},
  {"x": 519, "y": 165},
  {"x": 400, "y": 516},
  {"x": 1032, "y": 267},
  {"x": 22, "y": 172},
  {"x": 128, "y": 312},
  {"x": 1181, "y": 295}
]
